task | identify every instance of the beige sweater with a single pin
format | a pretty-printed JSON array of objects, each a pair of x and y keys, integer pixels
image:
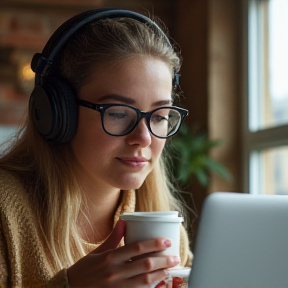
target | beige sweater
[{"x": 23, "y": 261}]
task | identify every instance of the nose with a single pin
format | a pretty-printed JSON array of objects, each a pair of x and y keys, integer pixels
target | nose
[{"x": 140, "y": 135}]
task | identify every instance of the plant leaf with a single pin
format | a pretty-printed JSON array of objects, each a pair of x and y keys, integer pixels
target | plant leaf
[{"x": 190, "y": 156}]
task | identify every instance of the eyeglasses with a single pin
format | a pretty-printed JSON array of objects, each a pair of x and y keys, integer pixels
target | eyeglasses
[{"x": 120, "y": 119}]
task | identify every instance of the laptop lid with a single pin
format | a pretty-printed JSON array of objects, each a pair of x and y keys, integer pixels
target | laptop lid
[{"x": 242, "y": 242}]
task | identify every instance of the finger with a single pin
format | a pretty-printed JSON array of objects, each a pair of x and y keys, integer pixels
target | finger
[
  {"x": 153, "y": 254},
  {"x": 143, "y": 281},
  {"x": 147, "y": 279},
  {"x": 149, "y": 264},
  {"x": 114, "y": 238},
  {"x": 130, "y": 251}
]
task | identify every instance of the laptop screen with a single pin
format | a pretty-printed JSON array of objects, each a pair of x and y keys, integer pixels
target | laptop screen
[{"x": 242, "y": 242}]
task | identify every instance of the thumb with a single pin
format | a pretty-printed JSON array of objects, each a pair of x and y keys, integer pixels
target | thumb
[{"x": 114, "y": 238}]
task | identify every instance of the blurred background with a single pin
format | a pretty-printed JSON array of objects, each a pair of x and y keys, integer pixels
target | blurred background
[{"x": 234, "y": 77}]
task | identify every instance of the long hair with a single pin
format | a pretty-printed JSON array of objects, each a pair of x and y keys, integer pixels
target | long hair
[{"x": 51, "y": 183}]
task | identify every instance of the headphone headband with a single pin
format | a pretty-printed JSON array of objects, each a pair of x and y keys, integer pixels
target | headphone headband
[{"x": 42, "y": 62}]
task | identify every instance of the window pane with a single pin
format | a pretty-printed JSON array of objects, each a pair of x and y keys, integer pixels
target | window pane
[
  {"x": 271, "y": 42},
  {"x": 270, "y": 168},
  {"x": 5, "y": 134}
]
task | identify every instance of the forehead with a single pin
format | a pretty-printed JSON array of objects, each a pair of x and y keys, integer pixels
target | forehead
[{"x": 138, "y": 78}]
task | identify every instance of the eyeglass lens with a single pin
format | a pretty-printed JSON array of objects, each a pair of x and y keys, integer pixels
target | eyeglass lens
[{"x": 120, "y": 120}]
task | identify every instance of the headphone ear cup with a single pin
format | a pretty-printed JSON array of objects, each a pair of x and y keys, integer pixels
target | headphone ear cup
[
  {"x": 54, "y": 111},
  {"x": 68, "y": 116}
]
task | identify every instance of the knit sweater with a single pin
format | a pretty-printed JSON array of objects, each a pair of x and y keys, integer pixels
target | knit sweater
[{"x": 23, "y": 260}]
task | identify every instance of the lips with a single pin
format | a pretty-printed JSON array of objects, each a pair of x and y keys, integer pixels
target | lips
[{"x": 137, "y": 162}]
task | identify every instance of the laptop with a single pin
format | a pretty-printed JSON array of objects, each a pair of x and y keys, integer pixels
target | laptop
[{"x": 242, "y": 242}]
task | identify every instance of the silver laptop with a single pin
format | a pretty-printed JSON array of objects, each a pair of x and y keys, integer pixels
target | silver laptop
[{"x": 242, "y": 242}]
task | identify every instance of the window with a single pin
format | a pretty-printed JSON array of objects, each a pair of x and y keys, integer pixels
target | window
[
  {"x": 6, "y": 133},
  {"x": 265, "y": 132}
]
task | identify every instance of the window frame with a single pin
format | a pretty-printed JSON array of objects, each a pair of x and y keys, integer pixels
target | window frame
[{"x": 254, "y": 141}]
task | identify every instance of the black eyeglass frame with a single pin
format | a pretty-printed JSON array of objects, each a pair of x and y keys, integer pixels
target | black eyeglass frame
[{"x": 101, "y": 108}]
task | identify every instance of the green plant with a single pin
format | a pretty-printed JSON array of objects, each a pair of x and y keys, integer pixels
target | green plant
[{"x": 190, "y": 157}]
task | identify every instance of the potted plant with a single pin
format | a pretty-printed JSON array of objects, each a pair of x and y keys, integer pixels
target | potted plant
[{"x": 190, "y": 157}]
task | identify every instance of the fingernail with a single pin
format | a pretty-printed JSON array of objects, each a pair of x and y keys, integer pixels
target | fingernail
[
  {"x": 167, "y": 242},
  {"x": 175, "y": 259}
]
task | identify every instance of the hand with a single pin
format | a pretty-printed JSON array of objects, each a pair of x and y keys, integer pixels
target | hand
[{"x": 135, "y": 265}]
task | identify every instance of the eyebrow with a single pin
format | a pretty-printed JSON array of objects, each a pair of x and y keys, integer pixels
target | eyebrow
[
  {"x": 117, "y": 97},
  {"x": 131, "y": 101}
]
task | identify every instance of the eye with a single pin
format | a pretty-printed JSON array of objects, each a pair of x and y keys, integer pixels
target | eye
[
  {"x": 157, "y": 118},
  {"x": 117, "y": 115}
]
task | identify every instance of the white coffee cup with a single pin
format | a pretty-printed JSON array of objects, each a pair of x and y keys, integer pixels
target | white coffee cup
[{"x": 142, "y": 226}]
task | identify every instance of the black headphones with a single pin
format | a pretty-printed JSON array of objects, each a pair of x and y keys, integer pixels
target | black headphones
[{"x": 52, "y": 105}]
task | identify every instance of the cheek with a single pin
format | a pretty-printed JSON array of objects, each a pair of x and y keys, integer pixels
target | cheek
[
  {"x": 89, "y": 126},
  {"x": 89, "y": 130},
  {"x": 157, "y": 148}
]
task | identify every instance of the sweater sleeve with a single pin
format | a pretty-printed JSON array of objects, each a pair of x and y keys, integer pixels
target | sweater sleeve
[
  {"x": 23, "y": 258},
  {"x": 3, "y": 262}
]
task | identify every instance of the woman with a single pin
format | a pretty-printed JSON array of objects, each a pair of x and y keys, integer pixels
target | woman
[{"x": 59, "y": 202}]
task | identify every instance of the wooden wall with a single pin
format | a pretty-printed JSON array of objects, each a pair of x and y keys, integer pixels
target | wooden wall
[{"x": 209, "y": 32}]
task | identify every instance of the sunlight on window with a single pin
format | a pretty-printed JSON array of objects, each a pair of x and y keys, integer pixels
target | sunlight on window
[
  {"x": 274, "y": 102},
  {"x": 269, "y": 171},
  {"x": 268, "y": 96},
  {"x": 278, "y": 61},
  {"x": 5, "y": 134},
  {"x": 266, "y": 135}
]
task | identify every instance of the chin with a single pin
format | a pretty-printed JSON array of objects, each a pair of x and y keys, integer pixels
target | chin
[
  {"x": 131, "y": 184},
  {"x": 131, "y": 187}
]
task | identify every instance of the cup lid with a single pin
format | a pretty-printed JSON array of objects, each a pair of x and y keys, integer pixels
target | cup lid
[
  {"x": 142, "y": 218},
  {"x": 153, "y": 214}
]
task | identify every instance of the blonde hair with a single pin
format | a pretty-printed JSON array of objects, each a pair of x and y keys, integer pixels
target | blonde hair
[{"x": 50, "y": 182}]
